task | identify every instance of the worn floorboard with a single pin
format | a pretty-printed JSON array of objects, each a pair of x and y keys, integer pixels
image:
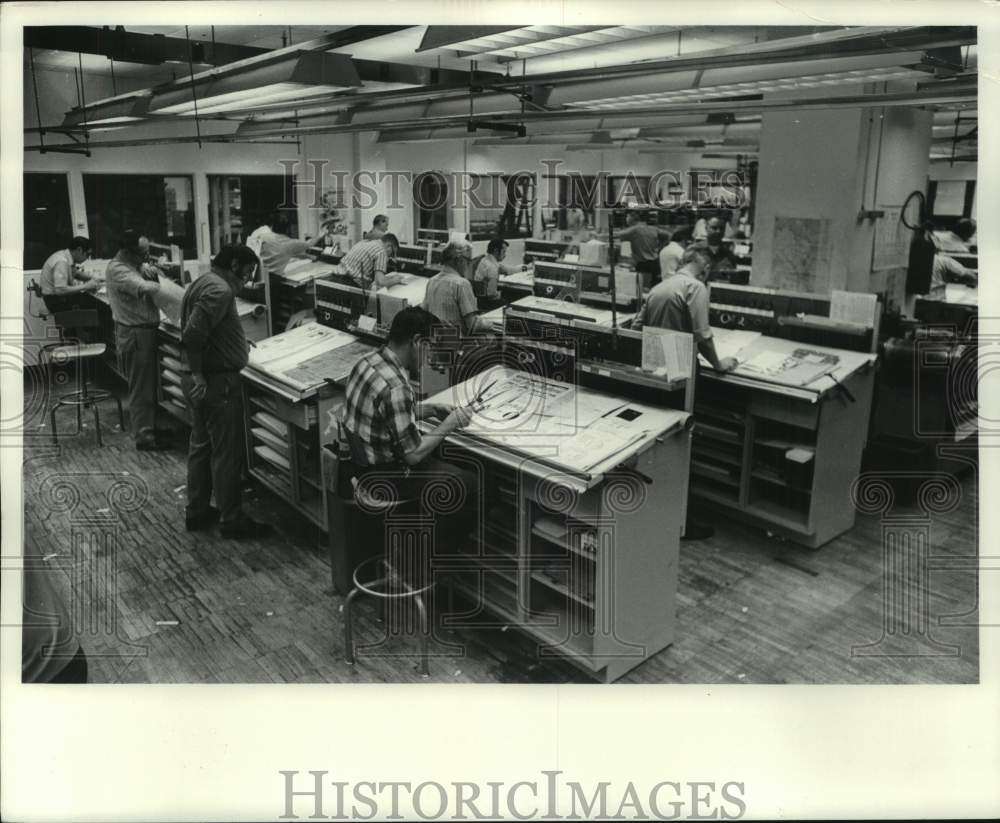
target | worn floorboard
[{"x": 157, "y": 604}]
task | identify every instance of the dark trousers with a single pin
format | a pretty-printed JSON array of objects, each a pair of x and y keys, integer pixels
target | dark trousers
[
  {"x": 445, "y": 495},
  {"x": 217, "y": 446},
  {"x": 75, "y": 671},
  {"x": 58, "y": 303},
  {"x": 136, "y": 346},
  {"x": 650, "y": 271}
]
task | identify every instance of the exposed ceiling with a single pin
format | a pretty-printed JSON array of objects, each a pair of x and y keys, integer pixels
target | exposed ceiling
[{"x": 658, "y": 87}]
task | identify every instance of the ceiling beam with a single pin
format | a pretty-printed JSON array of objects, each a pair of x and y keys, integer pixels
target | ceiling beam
[
  {"x": 437, "y": 37},
  {"x": 133, "y": 47}
]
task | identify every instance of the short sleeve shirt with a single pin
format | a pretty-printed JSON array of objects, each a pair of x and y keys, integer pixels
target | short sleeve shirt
[
  {"x": 57, "y": 271},
  {"x": 679, "y": 302},
  {"x": 450, "y": 298},
  {"x": 363, "y": 260},
  {"x": 380, "y": 408}
]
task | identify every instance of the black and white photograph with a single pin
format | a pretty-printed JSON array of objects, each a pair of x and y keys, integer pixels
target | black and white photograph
[{"x": 453, "y": 350}]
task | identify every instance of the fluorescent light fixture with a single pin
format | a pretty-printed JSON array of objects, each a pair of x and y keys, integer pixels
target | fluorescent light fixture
[
  {"x": 309, "y": 76},
  {"x": 116, "y": 111}
]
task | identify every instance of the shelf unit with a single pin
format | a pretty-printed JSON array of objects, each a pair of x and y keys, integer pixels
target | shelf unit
[
  {"x": 170, "y": 369},
  {"x": 779, "y": 461},
  {"x": 590, "y": 579},
  {"x": 284, "y": 443}
]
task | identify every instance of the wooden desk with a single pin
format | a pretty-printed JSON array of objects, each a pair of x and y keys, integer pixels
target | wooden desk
[
  {"x": 289, "y": 407},
  {"x": 584, "y": 562},
  {"x": 746, "y": 427}
]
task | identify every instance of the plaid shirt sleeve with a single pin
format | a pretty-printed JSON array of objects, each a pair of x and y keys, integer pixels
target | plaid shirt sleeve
[{"x": 399, "y": 414}]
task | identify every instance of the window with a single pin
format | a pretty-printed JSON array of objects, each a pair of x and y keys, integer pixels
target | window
[
  {"x": 239, "y": 205},
  {"x": 518, "y": 218},
  {"x": 161, "y": 208},
  {"x": 430, "y": 196},
  {"x": 48, "y": 225}
]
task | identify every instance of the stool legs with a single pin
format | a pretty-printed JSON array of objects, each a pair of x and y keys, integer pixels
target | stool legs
[
  {"x": 52, "y": 419},
  {"x": 121, "y": 414},
  {"x": 97, "y": 423},
  {"x": 349, "y": 626},
  {"x": 425, "y": 632}
]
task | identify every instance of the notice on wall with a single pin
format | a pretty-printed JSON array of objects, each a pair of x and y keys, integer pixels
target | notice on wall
[
  {"x": 801, "y": 254},
  {"x": 891, "y": 248},
  {"x": 853, "y": 307}
]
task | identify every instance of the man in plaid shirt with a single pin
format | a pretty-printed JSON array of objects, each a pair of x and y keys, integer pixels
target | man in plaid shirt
[
  {"x": 367, "y": 262},
  {"x": 380, "y": 421}
]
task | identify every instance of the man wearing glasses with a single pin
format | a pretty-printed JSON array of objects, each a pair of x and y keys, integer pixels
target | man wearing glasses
[{"x": 216, "y": 351}]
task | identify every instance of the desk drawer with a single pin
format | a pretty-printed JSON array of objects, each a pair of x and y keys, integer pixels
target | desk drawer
[{"x": 302, "y": 415}]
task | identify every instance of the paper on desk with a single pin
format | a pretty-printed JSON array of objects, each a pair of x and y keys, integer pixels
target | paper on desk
[
  {"x": 766, "y": 362},
  {"x": 853, "y": 307},
  {"x": 730, "y": 343},
  {"x": 666, "y": 352}
]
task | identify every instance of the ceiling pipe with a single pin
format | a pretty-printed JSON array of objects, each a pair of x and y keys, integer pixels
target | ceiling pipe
[{"x": 926, "y": 98}]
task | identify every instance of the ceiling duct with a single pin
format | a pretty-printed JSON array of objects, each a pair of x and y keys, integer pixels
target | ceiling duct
[{"x": 312, "y": 74}]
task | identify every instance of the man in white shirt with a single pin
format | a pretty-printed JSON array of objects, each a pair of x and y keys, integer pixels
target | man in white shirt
[
  {"x": 277, "y": 249},
  {"x": 60, "y": 280},
  {"x": 671, "y": 254}
]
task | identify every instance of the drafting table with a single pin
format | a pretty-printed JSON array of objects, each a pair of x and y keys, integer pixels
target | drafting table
[
  {"x": 567, "y": 311},
  {"x": 777, "y": 455},
  {"x": 290, "y": 407},
  {"x": 579, "y": 537}
]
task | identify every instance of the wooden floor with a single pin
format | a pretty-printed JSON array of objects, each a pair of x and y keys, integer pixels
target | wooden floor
[{"x": 157, "y": 604}]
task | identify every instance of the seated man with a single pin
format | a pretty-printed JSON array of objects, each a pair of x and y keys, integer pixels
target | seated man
[
  {"x": 61, "y": 280},
  {"x": 380, "y": 422},
  {"x": 367, "y": 262},
  {"x": 487, "y": 274},
  {"x": 946, "y": 269},
  {"x": 449, "y": 293}
]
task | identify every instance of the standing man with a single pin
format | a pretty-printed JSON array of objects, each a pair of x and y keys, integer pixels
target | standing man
[
  {"x": 277, "y": 249},
  {"x": 671, "y": 254},
  {"x": 367, "y": 262},
  {"x": 645, "y": 241},
  {"x": 216, "y": 350},
  {"x": 132, "y": 284},
  {"x": 487, "y": 274},
  {"x": 380, "y": 422},
  {"x": 680, "y": 303},
  {"x": 449, "y": 294},
  {"x": 722, "y": 261},
  {"x": 61, "y": 281}
]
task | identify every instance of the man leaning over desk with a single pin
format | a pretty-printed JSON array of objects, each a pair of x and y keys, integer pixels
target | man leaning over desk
[
  {"x": 680, "y": 302},
  {"x": 380, "y": 417}
]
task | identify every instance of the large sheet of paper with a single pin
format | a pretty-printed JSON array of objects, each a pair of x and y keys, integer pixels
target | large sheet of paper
[
  {"x": 546, "y": 419},
  {"x": 796, "y": 367},
  {"x": 306, "y": 356},
  {"x": 412, "y": 290},
  {"x": 303, "y": 271},
  {"x": 730, "y": 343},
  {"x": 801, "y": 253},
  {"x": 168, "y": 300}
]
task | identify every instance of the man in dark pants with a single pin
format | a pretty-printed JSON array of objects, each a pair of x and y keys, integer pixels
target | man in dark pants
[
  {"x": 216, "y": 350},
  {"x": 380, "y": 418},
  {"x": 60, "y": 281},
  {"x": 132, "y": 285},
  {"x": 646, "y": 242}
]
